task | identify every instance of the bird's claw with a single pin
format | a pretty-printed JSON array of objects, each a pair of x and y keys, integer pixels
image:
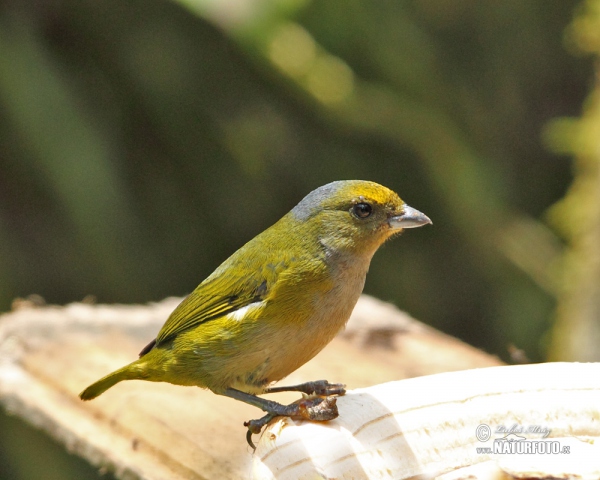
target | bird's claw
[{"x": 255, "y": 426}]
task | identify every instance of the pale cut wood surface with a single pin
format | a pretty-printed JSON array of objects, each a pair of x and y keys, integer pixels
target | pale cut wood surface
[
  {"x": 159, "y": 431},
  {"x": 429, "y": 426}
]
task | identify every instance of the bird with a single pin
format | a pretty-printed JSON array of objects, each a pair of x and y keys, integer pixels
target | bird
[{"x": 275, "y": 303}]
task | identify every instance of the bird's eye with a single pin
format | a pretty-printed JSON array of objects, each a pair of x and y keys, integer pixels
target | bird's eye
[{"x": 362, "y": 210}]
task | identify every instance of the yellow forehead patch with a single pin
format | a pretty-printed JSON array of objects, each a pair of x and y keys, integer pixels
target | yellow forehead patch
[
  {"x": 359, "y": 191},
  {"x": 343, "y": 193}
]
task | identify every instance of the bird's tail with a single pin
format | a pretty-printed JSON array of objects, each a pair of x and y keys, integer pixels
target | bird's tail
[{"x": 128, "y": 372}]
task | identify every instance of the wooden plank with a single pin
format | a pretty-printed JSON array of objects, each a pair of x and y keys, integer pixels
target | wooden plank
[{"x": 161, "y": 431}]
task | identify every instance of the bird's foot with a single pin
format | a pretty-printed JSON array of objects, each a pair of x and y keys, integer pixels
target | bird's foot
[
  {"x": 316, "y": 409},
  {"x": 318, "y": 387}
]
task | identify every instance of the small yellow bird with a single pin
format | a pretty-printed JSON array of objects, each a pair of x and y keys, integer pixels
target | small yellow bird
[{"x": 275, "y": 303}]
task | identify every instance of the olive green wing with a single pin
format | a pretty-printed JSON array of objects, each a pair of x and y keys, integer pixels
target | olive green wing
[
  {"x": 212, "y": 300},
  {"x": 225, "y": 291}
]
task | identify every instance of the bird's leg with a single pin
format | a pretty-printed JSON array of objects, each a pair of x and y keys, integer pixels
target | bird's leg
[
  {"x": 316, "y": 409},
  {"x": 318, "y": 387},
  {"x": 269, "y": 406}
]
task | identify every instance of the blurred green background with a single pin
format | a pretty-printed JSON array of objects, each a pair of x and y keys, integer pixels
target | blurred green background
[{"x": 142, "y": 142}]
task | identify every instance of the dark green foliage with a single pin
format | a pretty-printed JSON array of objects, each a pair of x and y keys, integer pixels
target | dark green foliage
[{"x": 140, "y": 145}]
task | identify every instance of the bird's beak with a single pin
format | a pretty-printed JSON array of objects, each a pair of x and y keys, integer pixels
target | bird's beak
[{"x": 409, "y": 218}]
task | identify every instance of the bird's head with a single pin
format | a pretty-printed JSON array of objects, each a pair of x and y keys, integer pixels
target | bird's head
[{"x": 354, "y": 216}]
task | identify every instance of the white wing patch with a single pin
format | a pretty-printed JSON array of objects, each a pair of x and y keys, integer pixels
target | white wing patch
[{"x": 239, "y": 315}]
